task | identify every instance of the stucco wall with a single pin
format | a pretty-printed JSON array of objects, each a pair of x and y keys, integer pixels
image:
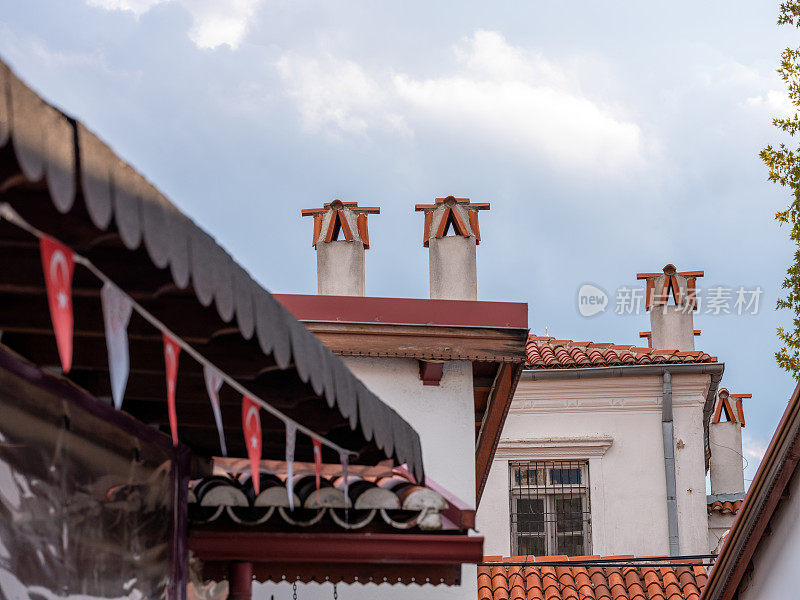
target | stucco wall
[
  {"x": 718, "y": 525},
  {"x": 774, "y": 572},
  {"x": 615, "y": 423},
  {"x": 444, "y": 417}
]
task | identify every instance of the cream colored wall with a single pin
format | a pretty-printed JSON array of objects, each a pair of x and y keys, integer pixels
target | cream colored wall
[
  {"x": 615, "y": 423},
  {"x": 444, "y": 417},
  {"x": 718, "y": 526},
  {"x": 774, "y": 573}
]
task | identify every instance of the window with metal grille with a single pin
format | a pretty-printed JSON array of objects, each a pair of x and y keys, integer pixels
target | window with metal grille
[{"x": 550, "y": 509}]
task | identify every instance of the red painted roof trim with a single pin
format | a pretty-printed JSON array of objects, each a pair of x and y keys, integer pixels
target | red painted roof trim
[
  {"x": 405, "y": 311},
  {"x": 308, "y": 548}
]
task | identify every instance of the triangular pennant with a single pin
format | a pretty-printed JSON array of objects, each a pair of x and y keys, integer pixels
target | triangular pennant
[
  {"x": 117, "y": 309},
  {"x": 58, "y": 264},
  {"x": 317, "y": 461},
  {"x": 291, "y": 436},
  {"x": 213, "y": 385},
  {"x": 171, "y": 353},
  {"x": 251, "y": 425}
]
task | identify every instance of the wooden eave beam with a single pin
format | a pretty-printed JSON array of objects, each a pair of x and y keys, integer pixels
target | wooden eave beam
[
  {"x": 492, "y": 425},
  {"x": 423, "y": 342}
]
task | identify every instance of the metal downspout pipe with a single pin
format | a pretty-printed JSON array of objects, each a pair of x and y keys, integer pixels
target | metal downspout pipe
[{"x": 668, "y": 437}]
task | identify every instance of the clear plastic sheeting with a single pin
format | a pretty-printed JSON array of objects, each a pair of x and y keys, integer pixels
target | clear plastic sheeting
[{"x": 85, "y": 508}]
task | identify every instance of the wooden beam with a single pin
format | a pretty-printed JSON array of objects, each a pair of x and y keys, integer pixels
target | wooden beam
[
  {"x": 240, "y": 360},
  {"x": 21, "y": 268},
  {"x": 430, "y": 372},
  {"x": 493, "y": 421},
  {"x": 423, "y": 342}
]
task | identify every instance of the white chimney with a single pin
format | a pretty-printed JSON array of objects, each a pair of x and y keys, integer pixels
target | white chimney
[
  {"x": 671, "y": 325},
  {"x": 725, "y": 437},
  {"x": 340, "y": 239},
  {"x": 451, "y": 236}
]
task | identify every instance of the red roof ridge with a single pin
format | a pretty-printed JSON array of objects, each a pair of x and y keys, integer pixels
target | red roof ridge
[{"x": 547, "y": 352}]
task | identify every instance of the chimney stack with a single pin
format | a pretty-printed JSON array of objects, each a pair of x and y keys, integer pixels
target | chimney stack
[
  {"x": 671, "y": 325},
  {"x": 340, "y": 238},
  {"x": 727, "y": 474},
  {"x": 452, "y": 256}
]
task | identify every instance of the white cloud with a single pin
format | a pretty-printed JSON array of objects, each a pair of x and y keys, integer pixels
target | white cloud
[
  {"x": 137, "y": 7},
  {"x": 775, "y": 101},
  {"x": 756, "y": 86},
  {"x": 214, "y": 22},
  {"x": 338, "y": 96},
  {"x": 753, "y": 449},
  {"x": 503, "y": 96}
]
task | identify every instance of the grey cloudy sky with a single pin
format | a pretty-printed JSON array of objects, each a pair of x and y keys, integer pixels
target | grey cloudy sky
[{"x": 610, "y": 137}]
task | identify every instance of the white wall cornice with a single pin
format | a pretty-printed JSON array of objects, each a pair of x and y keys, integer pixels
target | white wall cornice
[
  {"x": 553, "y": 448},
  {"x": 612, "y": 393}
]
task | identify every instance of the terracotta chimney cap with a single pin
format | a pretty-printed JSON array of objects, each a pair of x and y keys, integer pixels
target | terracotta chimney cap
[
  {"x": 335, "y": 214},
  {"x": 457, "y": 213},
  {"x": 724, "y": 398},
  {"x": 681, "y": 285}
]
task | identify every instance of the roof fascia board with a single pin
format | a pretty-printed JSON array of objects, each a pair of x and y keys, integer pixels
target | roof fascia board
[
  {"x": 307, "y": 548},
  {"x": 406, "y": 311},
  {"x": 624, "y": 371},
  {"x": 422, "y": 342}
]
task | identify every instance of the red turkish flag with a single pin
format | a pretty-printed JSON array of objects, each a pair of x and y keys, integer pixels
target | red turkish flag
[
  {"x": 317, "y": 460},
  {"x": 251, "y": 424},
  {"x": 171, "y": 353},
  {"x": 58, "y": 265}
]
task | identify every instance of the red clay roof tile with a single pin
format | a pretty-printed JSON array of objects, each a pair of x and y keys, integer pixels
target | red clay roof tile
[
  {"x": 549, "y": 353},
  {"x": 725, "y": 508},
  {"x": 613, "y": 581}
]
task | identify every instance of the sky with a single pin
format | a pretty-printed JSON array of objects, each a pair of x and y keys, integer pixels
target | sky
[{"x": 610, "y": 138}]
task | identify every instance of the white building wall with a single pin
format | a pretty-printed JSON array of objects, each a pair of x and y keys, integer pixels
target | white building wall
[
  {"x": 444, "y": 417},
  {"x": 774, "y": 572},
  {"x": 718, "y": 526},
  {"x": 614, "y": 423},
  {"x": 690, "y": 475}
]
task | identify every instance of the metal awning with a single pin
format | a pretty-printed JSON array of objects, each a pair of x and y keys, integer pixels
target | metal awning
[{"x": 66, "y": 182}]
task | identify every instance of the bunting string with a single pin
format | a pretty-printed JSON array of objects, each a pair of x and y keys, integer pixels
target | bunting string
[{"x": 10, "y": 215}]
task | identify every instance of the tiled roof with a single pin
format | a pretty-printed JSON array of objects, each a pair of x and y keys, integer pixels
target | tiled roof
[
  {"x": 394, "y": 501},
  {"x": 725, "y": 508},
  {"x": 612, "y": 581},
  {"x": 551, "y": 353}
]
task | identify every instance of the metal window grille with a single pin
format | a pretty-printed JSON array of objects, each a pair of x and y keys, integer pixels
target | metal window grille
[{"x": 550, "y": 508}]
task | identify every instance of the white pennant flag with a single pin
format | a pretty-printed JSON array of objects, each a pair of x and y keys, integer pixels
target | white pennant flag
[
  {"x": 291, "y": 434},
  {"x": 116, "y": 315},
  {"x": 213, "y": 385}
]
